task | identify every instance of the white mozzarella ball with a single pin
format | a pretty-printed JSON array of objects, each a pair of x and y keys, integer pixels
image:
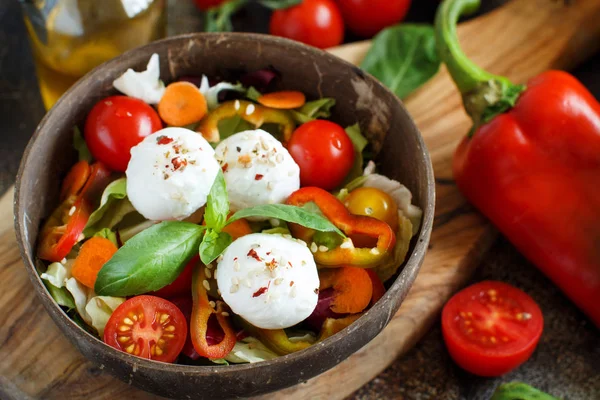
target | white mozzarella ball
[
  {"x": 269, "y": 280},
  {"x": 170, "y": 174},
  {"x": 258, "y": 169}
]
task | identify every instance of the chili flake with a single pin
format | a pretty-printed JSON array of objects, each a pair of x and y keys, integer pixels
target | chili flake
[
  {"x": 252, "y": 253},
  {"x": 162, "y": 139},
  {"x": 258, "y": 177}
]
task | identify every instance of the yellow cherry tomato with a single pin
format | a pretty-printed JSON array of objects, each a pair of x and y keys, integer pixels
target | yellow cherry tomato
[{"x": 373, "y": 203}]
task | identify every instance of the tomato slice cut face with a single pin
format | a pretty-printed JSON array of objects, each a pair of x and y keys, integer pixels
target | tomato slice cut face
[
  {"x": 148, "y": 327},
  {"x": 491, "y": 328}
]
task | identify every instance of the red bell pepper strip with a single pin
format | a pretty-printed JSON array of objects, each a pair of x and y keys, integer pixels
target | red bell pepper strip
[
  {"x": 532, "y": 163},
  {"x": 378, "y": 288},
  {"x": 335, "y": 211},
  {"x": 199, "y": 324},
  {"x": 81, "y": 189}
]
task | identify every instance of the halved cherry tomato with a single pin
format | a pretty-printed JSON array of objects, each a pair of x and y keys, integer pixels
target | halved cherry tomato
[
  {"x": 115, "y": 125},
  {"x": 182, "y": 286},
  {"x": 490, "y": 328},
  {"x": 147, "y": 327},
  {"x": 374, "y": 203},
  {"x": 324, "y": 153},
  {"x": 317, "y": 23},
  {"x": 367, "y": 17}
]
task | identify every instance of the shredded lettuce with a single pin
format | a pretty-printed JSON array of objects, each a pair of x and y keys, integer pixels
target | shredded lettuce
[
  {"x": 100, "y": 308},
  {"x": 400, "y": 194},
  {"x": 390, "y": 265},
  {"x": 211, "y": 94},
  {"x": 80, "y": 294},
  {"x": 249, "y": 350},
  {"x": 56, "y": 274},
  {"x": 145, "y": 85},
  {"x": 114, "y": 205}
]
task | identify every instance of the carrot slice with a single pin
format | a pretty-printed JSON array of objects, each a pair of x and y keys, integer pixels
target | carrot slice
[
  {"x": 284, "y": 100},
  {"x": 75, "y": 180},
  {"x": 238, "y": 228},
  {"x": 92, "y": 256},
  {"x": 182, "y": 104},
  {"x": 352, "y": 286}
]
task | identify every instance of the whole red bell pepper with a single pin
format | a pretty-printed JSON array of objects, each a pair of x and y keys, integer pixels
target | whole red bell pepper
[{"x": 531, "y": 163}]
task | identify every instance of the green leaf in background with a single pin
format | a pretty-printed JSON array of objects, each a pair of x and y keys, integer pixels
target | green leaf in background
[
  {"x": 278, "y": 4},
  {"x": 313, "y": 109},
  {"x": 359, "y": 142},
  {"x": 106, "y": 233},
  {"x": 81, "y": 146},
  {"x": 519, "y": 391},
  {"x": 217, "y": 204},
  {"x": 403, "y": 57},
  {"x": 288, "y": 213},
  {"x": 114, "y": 205},
  {"x": 150, "y": 260},
  {"x": 218, "y": 19},
  {"x": 213, "y": 244}
]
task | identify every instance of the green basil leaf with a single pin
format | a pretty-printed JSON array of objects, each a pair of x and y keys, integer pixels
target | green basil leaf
[
  {"x": 81, "y": 146},
  {"x": 297, "y": 215},
  {"x": 253, "y": 94},
  {"x": 519, "y": 390},
  {"x": 114, "y": 205},
  {"x": 217, "y": 204},
  {"x": 218, "y": 19},
  {"x": 150, "y": 260},
  {"x": 313, "y": 109},
  {"x": 403, "y": 57},
  {"x": 279, "y": 4},
  {"x": 359, "y": 142},
  {"x": 213, "y": 244}
]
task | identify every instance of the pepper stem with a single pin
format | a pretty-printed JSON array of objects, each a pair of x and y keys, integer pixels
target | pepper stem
[{"x": 484, "y": 95}]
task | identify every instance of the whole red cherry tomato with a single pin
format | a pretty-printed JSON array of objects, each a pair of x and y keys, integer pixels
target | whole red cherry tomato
[
  {"x": 367, "y": 17},
  {"x": 491, "y": 328},
  {"x": 324, "y": 153},
  {"x": 317, "y": 23},
  {"x": 207, "y": 4},
  {"x": 147, "y": 327},
  {"x": 115, "y": 125}
]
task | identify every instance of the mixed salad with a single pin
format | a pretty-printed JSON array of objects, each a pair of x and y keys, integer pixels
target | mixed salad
[{"x": 221, "y": 222}]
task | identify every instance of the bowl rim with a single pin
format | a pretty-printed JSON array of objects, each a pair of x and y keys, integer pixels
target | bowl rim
[{"x": 407, "y": 276}]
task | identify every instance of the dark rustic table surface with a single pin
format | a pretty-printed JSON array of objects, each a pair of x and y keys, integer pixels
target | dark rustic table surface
[{"x": 567, "y": 361}]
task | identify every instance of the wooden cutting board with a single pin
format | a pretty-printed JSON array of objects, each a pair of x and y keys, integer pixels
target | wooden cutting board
[{"x": 518, "y": 40}]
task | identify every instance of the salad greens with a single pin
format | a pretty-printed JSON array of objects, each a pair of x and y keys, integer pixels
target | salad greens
[
  {"x": 155, "y": 257},
  {"x": 314, "y": 109},
  {"x": 150, "y": 260},
  {"x": 114, "y": 205},
  {"x": 403, "y": 57},
  {"x": 359, "y": 142},
  {"x": 81, "y": 147}
]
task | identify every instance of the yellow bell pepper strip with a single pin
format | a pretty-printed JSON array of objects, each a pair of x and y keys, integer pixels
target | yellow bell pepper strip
[
  {"x": 275, "y": 339},
  {"x": 331, "y": 326},
  {"x": 255, "y": 114},
  {"x": 199, "y": 323},
  {"x": 335, "y": 211}
]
